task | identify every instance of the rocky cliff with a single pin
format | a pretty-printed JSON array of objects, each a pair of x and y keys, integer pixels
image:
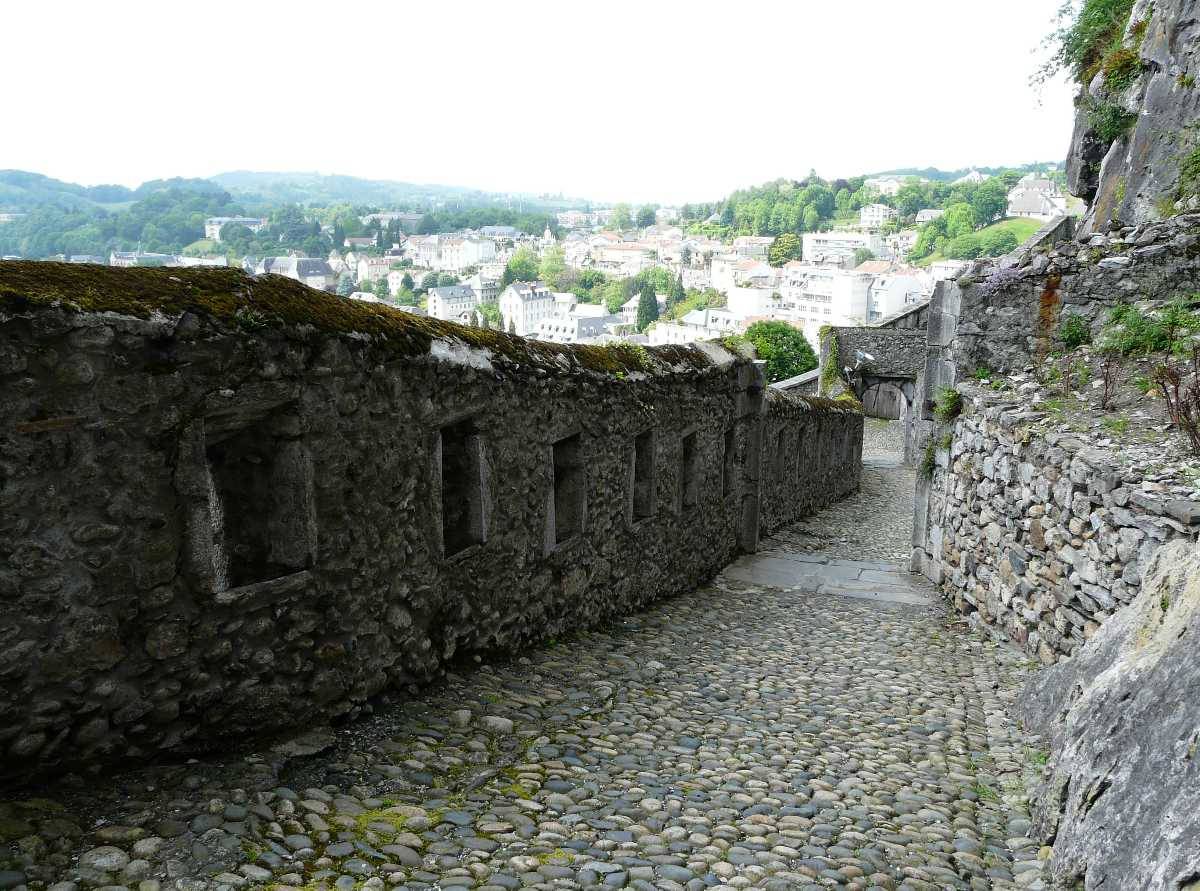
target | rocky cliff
[
  {"x": 1135, "y": 151},
  {"x": 1119, "y": 805}
]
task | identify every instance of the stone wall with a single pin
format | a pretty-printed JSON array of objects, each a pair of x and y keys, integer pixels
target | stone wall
[
  {"x": 1001, "y": 317},
  {"x": 232, "y": 506},
  {"x": 1037, "y": 535}
]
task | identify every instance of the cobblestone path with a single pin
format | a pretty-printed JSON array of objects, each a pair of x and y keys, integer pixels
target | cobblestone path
[{"x": 768, "y": 731}]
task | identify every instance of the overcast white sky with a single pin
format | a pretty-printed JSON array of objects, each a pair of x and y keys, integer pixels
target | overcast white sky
[{"x": 648, "y": 100}]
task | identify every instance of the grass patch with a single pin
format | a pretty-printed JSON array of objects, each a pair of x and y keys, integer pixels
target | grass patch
[
  {"x": 985, "y": 792},
  {"x": 1022, "y": 228},
  {"x": 363, "y": 821},
  {"x": 1116, "y": 426},
  {"x": 947, "y": 405}
]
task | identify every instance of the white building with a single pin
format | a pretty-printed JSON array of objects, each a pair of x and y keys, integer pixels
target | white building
[
  {"x": 818, "y": 295},
  {"x": 901, "y": 243},
  {"x": 875, "y": 216},
  {"x": 574, "y": 219},
  {"x": 745, "y": 303},
  {"x": 314, "y": 272},
  {"x": 839, "y": 247},
  {"x": 884, "y": 185},
  {"x": 573, "y": 322},
  {"x": 523, "y": 306},
  {"x": 752, "y": 247},
  {"x": 451, "y": 304},
  {"x": 1037, "y": 198},
  {"x": 487, "y": 290},
  {"x": 212, "y": 226},
  {"x": 408, "y": 221},
  {"x": 893, "y": 291},
  {"x": 456, "y": 252},
  {"x": 697, "y": 325},
  {"x": 974, "y": 178},
  {"x": 929, "y": 215},
  {"x": 622, "y": 259},
  {"x": 373, "y": 268},
  {"x": 946, "y": 269}
]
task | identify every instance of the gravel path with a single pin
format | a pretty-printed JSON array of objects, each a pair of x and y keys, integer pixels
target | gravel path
[{"x": 747, "y": 735}]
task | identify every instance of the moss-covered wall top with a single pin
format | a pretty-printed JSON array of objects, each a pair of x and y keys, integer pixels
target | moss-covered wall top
[{"x": 230, "y": 297}]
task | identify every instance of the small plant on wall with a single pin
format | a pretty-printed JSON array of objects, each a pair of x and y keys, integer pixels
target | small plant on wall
[{"x": 947, "y": 405}]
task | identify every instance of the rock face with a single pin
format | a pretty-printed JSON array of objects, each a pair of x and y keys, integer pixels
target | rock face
[
  {"x": 1136, "y": 178},
  {"x": 1122, "y": 719},
  {"x": 230, "y": 507}
]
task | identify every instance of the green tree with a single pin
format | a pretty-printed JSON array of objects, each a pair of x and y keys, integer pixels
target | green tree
[
  {"x": 646, "y": 216},
  {"x": 339, "y": 235},
  {"x": 523, "y": 267},
  {"x": 785, "y": 349},
  {"x": 677, "y": 293},
  {"x": 960, "y": 219},
  {"x": 647, "y": 306},
  {"x": 784, "y": 248},
  {"x": 862, "y": 255},
  {"x": 429, "y": 281},
  {"x": 381, "y": 289},
  {"x": 964, "y": 247},
  {"x": 990, "y": 201},
  {"x": 621, "y": 218},
  {"x": 553, "y": 267},
  {"x": 812, "y": 219},
  {"x": 345, "y": 285},
  {"x": 998, "y": 242},
  {"x": 615, "y": 296},
  {"x": 407, "y": 282},
  {"x": 491, "y": 315}
]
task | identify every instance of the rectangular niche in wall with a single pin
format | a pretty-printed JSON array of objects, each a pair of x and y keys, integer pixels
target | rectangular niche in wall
[
  {"x": 643, "y": 476},
  {"x": 689, "y": 481},
  {"x": 570, "y": 490},
  {"x": 259, "y": 503},
  {"x": 461, "y": 464},
  {"x": 729, "y": 462}
]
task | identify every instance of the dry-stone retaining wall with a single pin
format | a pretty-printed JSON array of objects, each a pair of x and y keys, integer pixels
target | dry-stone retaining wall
[
  {"x": 1037, "y": 535},
  {"x": 1001, "y": 314},
  {"x": 232, "y": 506}
]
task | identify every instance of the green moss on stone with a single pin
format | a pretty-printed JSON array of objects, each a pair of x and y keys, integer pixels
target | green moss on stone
[{"x": 253, "y": 304}]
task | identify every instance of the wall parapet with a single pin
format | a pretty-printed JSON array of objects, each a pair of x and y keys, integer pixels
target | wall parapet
[
  {"x": 1037, "y": 534},
  {"x": 230, "y": 506}
]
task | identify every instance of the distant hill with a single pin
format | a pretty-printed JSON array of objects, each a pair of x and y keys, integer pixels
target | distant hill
[
  {"x": 273, "y": 188},
  {"x": 936, "y": 175},
  {"x": 22, "y": 191}
]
